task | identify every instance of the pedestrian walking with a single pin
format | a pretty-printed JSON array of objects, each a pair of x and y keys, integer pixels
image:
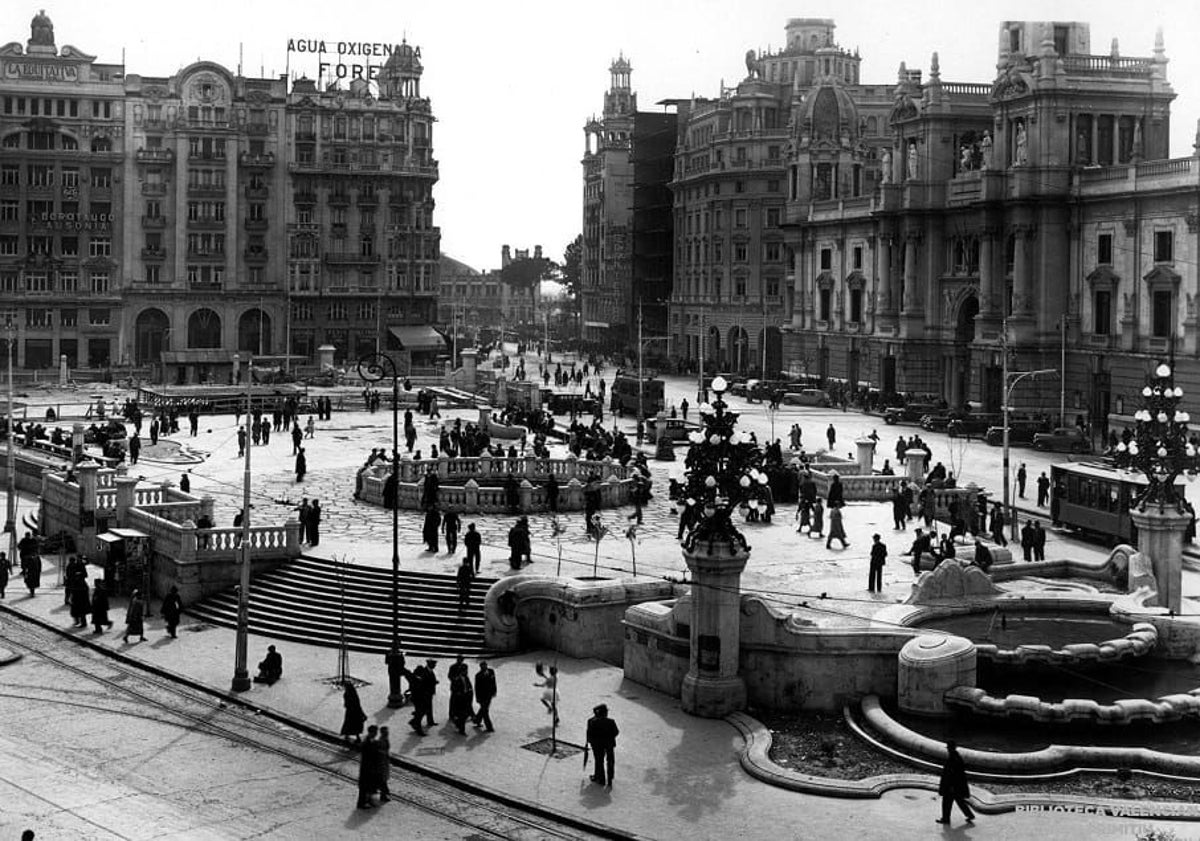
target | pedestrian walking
[
  {"x": 1027, "y": 541},
  {"x": 818, "y": 520},
  {"x": 1039, "y": 541},
  {"x": 172, "y": 609},
  {"x": 185, "y": 483},
  {"x": 451, "y": 523},
  {"x": 301, "y": 465},
  {"x": 831, "y": 436},
  {"x": 431, "y": 682},
  {"x": 836, "y": 530},
  {"x": 32, "y": 572},
  {"x": 485, "y": 691},
  {"x": 462, "y": 696},
  {"x": 429, "y": 531},
  {"x": 878, "y": 559},
  {"x": 602, "y": 733},
  {"x": 953, "y": 785},
  {"x": 383, "y": 764},
  {"x": 1043, "y": 490},
  {"x": 899, "y": 510},
  {"x": 100, "y": 619},
  {"x": 5, "y": 569},
  {"x": 473, "y": 540},
  {"x": 996, "y": 527},
  {"x": 353, "y": 717},
  {"x": 549, "y": 685},
  {"x": 836, "y": 496},
  {"x": 1021, "y": 477},
  {"x": 421, "y": 686},
  {"x": 314, "y": 523},
  {"x": 241, "y": 439},
  {"x": 81, "y": 603},
  {"x": 310, "y": 427},
  {"x": 135, "y": 617},
  {"x": 463, "y": 578},
  {"x": 367, "y": 765},
  {"x": 297, "y": 437},
  {"x": 135, "y": 449}
]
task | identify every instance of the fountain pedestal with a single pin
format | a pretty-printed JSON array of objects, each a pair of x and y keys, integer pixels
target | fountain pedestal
[
  {"x": 712, "y": 687},
  {"x": 1160, "y": 537},
  {"x": 929, "y": 666}
]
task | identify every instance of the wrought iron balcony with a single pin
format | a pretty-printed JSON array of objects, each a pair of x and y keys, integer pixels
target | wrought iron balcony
[
  {"x": 257, "y": 160},
  {"x": 259, "y": 193},
  {"x": 154, "y": 221},
  {"x": 213, "y": 190},
  {"x": 255, "y": 224},
  {"x": 153, "y": 188},
  {"x": 351, "y": 257},
  {"x": 159, "y": 155},
  {"x": 156, "y": 254},
  {"x": 255, "y": 255}
]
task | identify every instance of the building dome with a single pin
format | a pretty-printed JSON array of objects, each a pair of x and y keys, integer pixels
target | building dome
[
  {"x": 829, "y": 113},
  {"x": 404, "y": 60}
]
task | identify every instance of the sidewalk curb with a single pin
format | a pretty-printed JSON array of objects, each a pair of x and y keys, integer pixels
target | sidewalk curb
[{"x": 407, "y": 764}]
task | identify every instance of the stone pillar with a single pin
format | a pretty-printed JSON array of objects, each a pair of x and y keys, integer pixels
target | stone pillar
[
  {"x": 713, "y": 688},
  {"x": 63, "y": 375},
  {"x": 236, "y": 374},
  {"x": 126, "y": 487},
  {"x": 291, "y": 531},
  {"x": 887, "y": 294},
  {"x": 77, "y": 431},
  {"x": 866, "y": 456},
  {"x": 471, "y": 492},
  {"x": 929, "y": 666},
  {"x": 914, "y": 462},
  {"x": 87, "y": 474},
  {"x": 526, "y": 494},
  {"x": 206, "y": 508},
  {"x": 987, "y": 274},
  {"x": 1160, "y": 537},
  {"x": 470, "y": 368},
  {"x": 325, "y": 357},
  {"x": 910, "y": 273}
]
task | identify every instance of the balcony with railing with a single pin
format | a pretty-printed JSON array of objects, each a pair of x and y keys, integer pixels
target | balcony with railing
[
  {"x": 206, "y": 190},
  {"x": 206, "y": 285},
  {"x": 255, "y": 224},
  {"x": 157, "y": 155},
  {"x": 206, "y": 254},
  {"x": 154, "y": 188},
  {"x": 255, "y": 255},
  {"x": 306, "y": 136},
  {"x": 1107, "y": 65},
  {"x": 1165, "y": 174},
  {"x": 257, "y": 160},
  {"x": 343, "y": 258},
  {"x": 368, "y": 200},
  {"x": 338, "y": 199},
  {"x": 305, "y": 197},
  {"x": 206, "y": 223},
  {"x": 154, "y": 254},
  {"x": 154, "y": 222},
  {"x": 257, "y": 129}
]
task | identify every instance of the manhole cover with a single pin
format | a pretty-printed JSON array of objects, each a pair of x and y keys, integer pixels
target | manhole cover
[{"x": 556, "y": 750}]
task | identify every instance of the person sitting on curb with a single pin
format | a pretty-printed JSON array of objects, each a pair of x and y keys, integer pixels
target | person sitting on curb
[{"x": 271, "y": 667}]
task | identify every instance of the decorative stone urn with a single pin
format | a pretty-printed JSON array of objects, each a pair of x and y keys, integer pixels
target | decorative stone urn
[
  {"x": 929, "y": 666},
  {"x": 712, "y": 687},
  {"x": 1160, "y": 537}
]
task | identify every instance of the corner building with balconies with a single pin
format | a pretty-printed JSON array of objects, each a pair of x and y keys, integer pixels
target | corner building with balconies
[
  {"x": 1042, "y": 207},
  {"x": 363, "y": 251},
  {"x": 63, "y": 179}
]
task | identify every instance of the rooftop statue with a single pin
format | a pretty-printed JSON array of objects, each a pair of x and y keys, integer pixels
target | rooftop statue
[{"x": 41, "y": 30}]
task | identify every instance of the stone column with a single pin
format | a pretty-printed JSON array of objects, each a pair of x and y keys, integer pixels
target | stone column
[
  {"x": 866, "y": 456},
  {"x": 1160, "y": 537},
  {"x": 77, "y": 432},
  {"x": 887, "y": 300},
  {"x": 325, "y": 357},
  {"x": 910, "y": 272},
  {"x": 713, "y": 688},
  {"x": 914, "y": 462},
  {"x": 63, "y": 375},
  {"x": 987, "y": 274},
  {"x": 470, "y": 368},
  {"x": 126, "y": 486}
]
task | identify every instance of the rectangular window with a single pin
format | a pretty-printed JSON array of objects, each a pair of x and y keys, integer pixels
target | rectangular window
[
  {"x": 100, "y": 247},
  {"x": 826, "y": 298},
  {"x": 69, "y": 246},
  {"x": 1164, "y": 246},
  {"x": 858, "y": 257},
  {"x": 772, "y": 217},
  {"x": 38, "y": 317},
  {"x": 739, "y": 218},
  {"x": 41, "y": 175},
  {"x": 337, "y": 311},
  {"x": 10, "y": 210},
  {"x": 37, "y": 283},
  {"x": 10, "y": 246},
  {"x": 100, "y": 286},
  {"x": 68, "y": 318},
  {"x": 102, "y": 178},
  {"x": 98, "y": 317},
  {"x": 1102, "y": 312},
  {"x": 1104, "y": 249},
  {"x": 826, "y": 259},
  {"x": 10, "y": 175},
  {"x": 773, "y": 252},
  {"x": 739, "y": 287},
  {"x": 739, "y": 252},
  {"x": 1161, "y": 316},
  {"x": 153, "y": 275},
  {"x": 302, "y": 312},
  {"x": 772, "y": 287},
  {"x": 70, "y": 177},
  {"x": 68, "y": 282},
  {"x": 856, "y": 308}
]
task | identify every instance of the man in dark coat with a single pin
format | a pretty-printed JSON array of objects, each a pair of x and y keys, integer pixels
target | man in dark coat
[
  {"x": 420, "y": 690},
  {"x": 100, "y": 619},
  {"x": 301, "y": 465},
  {"x": 463, "y": 579},
  {"x": 473, "y": 540},
  {"x": 1043, "y": 490},
  {"x": 485, "y": 691},
  {"x": 33, "y": 573},
  {"x": 81, "y": 603},
  {"x": 429, "y": 489},
  {"x": 836, "y": 498},
  {"x": 297, "y": 437},
  {"x": 953, "y": 785},
  {"x": 135, "y": 449},
  {"x": 1027, "y": 541},
  {"x": 450, "y": 526},
  {"x": 878, "y": 559},
  {"x": 1039, "y": 541},
  {"x": 997, "y": 524},
  {"x": 899, "y": 510},
  {"x": 552, "y": 493},
  {"x": 368, "y": 769},
  {"x": 172, "y": 608},
  {"x": 314, "y": 523},
  {"x": 429, "y": 532},
  {"x": 602, "y": 734}
]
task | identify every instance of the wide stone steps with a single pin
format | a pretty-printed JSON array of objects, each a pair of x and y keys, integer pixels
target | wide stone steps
[{"x": 316, "y": 602}]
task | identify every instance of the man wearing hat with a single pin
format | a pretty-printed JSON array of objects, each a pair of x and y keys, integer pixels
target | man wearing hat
[
  {"x": 422, "y": 685},
  {"x": 602, "y": 739}
]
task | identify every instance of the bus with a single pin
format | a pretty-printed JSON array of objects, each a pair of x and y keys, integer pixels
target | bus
[
  {"x": 1095, "y": 498},
  {"x": 624, "y": 397}
]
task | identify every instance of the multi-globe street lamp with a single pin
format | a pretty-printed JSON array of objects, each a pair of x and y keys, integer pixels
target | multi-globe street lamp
[{"x": 375, "y": 367}]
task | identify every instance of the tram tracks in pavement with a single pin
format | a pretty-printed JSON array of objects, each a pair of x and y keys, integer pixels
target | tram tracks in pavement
[{"x": 161, "y": 699}]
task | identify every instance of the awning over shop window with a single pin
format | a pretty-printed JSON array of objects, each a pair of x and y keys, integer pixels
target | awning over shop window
[{"x": 418, "y": 337}]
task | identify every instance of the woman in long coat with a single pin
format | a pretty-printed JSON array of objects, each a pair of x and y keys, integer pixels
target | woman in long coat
[
  {"x": 33, "y": 573},
  {"x": 354, "y": 717},
  {"x": 81, "y": 604},
  {"x": 135, "y": 618},
  {"x": 836, "y": 530},
  {"x": 818, "y": 519},
  {"x": 462, "y": 700},
  {"x": 100, "y": 619}
]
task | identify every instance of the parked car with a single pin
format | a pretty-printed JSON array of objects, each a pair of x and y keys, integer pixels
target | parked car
[
  {"x": 972, "y": 426},
  {"x": 940, "y": 421},
  {"x": 912, "y": 413},
  {"x": 806, "y": 397},
  {"x": 1068, "y": 439},
  {"x": 1020, "y": 432}
]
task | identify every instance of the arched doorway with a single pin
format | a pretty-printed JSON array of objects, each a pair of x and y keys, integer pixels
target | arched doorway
[
  {"x": 959, "y": 381},
  {"x": 254, "y": 333},
  {"x": 712, "y": 348},
  {"x": 739, "y": 350},
  {"x": 204, "y": 329},
  {"x": 150, "y": 336}
]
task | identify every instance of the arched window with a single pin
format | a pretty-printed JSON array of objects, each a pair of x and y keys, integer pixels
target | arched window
[
  {"x": 151, "y": 330},
  {"x": 204, "y": 329},
  {"x": 254, "y": 332}
]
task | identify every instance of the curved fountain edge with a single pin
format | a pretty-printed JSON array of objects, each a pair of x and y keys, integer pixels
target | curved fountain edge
[{"x": 756, "y": 761}]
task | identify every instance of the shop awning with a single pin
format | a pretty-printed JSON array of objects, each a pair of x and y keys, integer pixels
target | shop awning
[{"x": 418, "y": 337}]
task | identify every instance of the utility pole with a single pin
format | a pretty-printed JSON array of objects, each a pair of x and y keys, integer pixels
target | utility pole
[
  {"x": 1062, "y": 378},
  {"x": 10, "y": 524},
  {"x": 241, "y": 670},
  {"x": 641, "y": 384}
]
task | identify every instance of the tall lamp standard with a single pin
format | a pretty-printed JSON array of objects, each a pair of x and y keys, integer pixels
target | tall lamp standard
[
  {"x": 375, "y": 367},
  {"x": 241, "y": 669},
  {"x": 10, "y": 524},
  {"x": 1015, "y": 377}
]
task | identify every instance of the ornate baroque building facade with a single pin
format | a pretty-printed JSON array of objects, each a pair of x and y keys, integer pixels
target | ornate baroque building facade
[
  {"x": 176, "y": 222},
  {"x": 481, "y": 301},
  {"x": 921, "y": 217}
]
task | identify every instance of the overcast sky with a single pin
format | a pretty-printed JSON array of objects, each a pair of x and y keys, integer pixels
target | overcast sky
[{"x": 512, "y": 83}]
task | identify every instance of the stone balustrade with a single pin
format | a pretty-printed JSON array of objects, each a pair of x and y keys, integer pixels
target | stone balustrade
[
  {"x": 1124, "y": 711},
  {"x": 1137, "y": 643}
]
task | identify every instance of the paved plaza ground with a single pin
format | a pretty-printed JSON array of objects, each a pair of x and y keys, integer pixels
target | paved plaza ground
[{"x": 677, "y": 776}]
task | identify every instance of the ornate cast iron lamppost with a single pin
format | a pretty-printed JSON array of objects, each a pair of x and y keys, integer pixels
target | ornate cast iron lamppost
[{"x": 375, "y": 367}]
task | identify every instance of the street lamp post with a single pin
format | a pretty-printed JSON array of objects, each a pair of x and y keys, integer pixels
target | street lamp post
[
  {"x": 241, "y": 668},
  {"x": 373, "y": 368},
  {"x": 1016, "y": 376},
  {"x": 10, "y": 524}
]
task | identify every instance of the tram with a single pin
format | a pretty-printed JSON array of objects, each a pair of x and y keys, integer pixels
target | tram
[
  {"x": 625, "y": 395},
  {"x": 1095, "y": 498}
]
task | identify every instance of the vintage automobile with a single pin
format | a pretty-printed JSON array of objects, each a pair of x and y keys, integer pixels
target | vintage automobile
[
  {"x": 676, "y": 429},
  {"x": 972, "y": 426},
  {"x": 911, "y": 413},
  {"x": 806, "y": 397},
  {"x": 1020, "y": 432},
  {"x": 1069, "y": 439}
]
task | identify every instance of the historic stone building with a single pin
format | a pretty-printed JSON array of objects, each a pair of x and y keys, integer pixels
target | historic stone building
[
  {"x": 63, "y": 194},
  {"x": 180, "y": 224},
  {"x": 893, "y": 229},
  {"x": 363, "y": 249},
  {"x": 482, "y": 304}
]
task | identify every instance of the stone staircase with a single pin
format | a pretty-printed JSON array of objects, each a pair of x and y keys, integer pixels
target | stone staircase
[{"x": 306, "y": 600}]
